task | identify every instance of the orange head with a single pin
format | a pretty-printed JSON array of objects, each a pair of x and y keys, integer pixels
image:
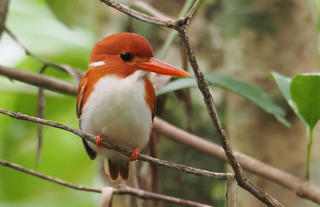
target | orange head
[{"x": 124, "y": 53}]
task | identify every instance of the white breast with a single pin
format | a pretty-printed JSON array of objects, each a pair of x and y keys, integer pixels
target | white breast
[{"x": 117, "y": 109}]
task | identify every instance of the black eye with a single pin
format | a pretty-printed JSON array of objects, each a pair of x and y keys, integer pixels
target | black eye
[{"x": 126, "y": 56}]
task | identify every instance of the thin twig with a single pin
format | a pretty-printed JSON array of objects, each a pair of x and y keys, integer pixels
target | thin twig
[
  {"x": 193, "y": 9},
  {"x": 40, "y": 113},
  {"x": 91, "y": 138},
  {"x": 298, "y": 185},
  {"x": 140, "y": 16},
  {"x": 126, "y": 190},
  {"x": 47, "y": 177},
  {"x": 38, "y": 80},
  {"x": 151, "y": 10},
  {"x": 73, "y": 72}
]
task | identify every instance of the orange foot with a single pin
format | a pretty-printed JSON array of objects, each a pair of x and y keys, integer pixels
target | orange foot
[
  {"x": 99, "y": 141},
  {"x": 135, "y": 154}
]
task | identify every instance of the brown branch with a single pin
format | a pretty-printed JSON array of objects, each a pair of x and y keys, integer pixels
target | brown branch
[
  {"x": 120, "y": 191},
  {"x": 151, "y": 10},
  {"x": 141, "y": 16},
  {"x": 40, "y": 113},
  {"x": 92, "y": 138},
  {"x": 231, "y": 188},
  {"x": 38, "y": 80},
  {"x": 301, "y": 187}
]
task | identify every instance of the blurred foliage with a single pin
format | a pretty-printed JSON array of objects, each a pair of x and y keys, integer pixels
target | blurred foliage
[
  {"x": 88, "y": 15},
  {"x": 242, "y": 14},
  {"x": 249, "y": 91}
]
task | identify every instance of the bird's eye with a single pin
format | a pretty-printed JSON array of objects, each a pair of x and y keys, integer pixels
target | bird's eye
[{"x": 126, "y": 56}]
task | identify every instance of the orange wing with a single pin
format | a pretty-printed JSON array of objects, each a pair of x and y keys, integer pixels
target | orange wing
[
  {"x": 82, "y": 97},
  {"x": 150, "y": 96},
  {"x": 81, "y": 94}
]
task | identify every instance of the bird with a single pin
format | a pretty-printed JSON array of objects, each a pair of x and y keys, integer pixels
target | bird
[{"x": 116, "y": 99}]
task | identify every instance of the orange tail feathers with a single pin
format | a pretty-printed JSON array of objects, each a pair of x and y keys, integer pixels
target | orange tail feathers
[{"x": 116, "y": 168}]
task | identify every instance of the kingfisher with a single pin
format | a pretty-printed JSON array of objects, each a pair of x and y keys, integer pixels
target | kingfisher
[{"x": 116, "y": 99}]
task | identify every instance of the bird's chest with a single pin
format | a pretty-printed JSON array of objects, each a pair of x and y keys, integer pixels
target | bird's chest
[{"x": 117, "y": 109}]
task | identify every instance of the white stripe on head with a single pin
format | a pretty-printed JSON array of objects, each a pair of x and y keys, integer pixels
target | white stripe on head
[{"x": 96, "y": 64}]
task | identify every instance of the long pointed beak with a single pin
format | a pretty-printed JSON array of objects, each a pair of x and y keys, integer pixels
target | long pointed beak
[{"x": 154, "y": 65}]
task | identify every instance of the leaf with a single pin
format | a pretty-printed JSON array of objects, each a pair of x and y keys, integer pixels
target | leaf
[
  {"x": 283, "y": 84},
  {"x": 90, "y": 15},
  {"x": 251, "y": 92},
  {"x": 178, "y": 84},
  {"x": 305, "y": 92}
]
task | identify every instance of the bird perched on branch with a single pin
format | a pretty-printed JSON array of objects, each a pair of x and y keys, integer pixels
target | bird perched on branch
[{"x": 116, "y": 99}]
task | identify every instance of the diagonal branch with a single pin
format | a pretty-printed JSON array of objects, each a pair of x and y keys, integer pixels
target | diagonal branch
[
  {"x": 299, "y": 186},
  {"x": 76, "y": 74},
  {"x": 126, "y": 190},
  {"x": 141, "y": 16},
  {"x": 91, "y": 138}
]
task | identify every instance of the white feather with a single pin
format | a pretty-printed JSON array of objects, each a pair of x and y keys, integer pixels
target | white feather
[
  {"x": 117, "y": 109},
  {"x": 96, "y": 64}
]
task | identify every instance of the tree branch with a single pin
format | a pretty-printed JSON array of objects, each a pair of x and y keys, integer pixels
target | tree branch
[
  {"x": 141, "y": 16},
  {"x": 38, "y": 80},
  {"x": 299, "y": 186},
  {"x": 120, "y": 191},
  {"x": 91, "y": 138}
]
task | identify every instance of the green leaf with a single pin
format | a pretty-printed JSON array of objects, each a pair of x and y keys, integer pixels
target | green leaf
[
  {"x": 305, "y": 92},
  {"x": 85, "y": 14},
  {"x": 251, "y": 92},
  {"x": 283, "y": 84},
  {"x": 178, "y": 84}
]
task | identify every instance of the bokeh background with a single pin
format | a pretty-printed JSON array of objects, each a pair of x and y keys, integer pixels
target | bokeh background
[{"x": 245, "y": 39}]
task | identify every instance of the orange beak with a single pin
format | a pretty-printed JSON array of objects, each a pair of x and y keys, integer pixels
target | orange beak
[{"x": 154, "y": 65}]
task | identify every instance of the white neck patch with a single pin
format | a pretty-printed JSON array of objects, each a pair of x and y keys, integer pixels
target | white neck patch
[{"x": 96, "y": 64}]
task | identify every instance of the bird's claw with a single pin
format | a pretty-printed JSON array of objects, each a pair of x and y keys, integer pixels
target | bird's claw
[
  {"x": 134, "y": 154},
  {"x": 99, "y": 141}
]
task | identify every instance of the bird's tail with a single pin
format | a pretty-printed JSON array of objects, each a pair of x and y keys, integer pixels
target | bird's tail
[{"x": 116, "y": 168}]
